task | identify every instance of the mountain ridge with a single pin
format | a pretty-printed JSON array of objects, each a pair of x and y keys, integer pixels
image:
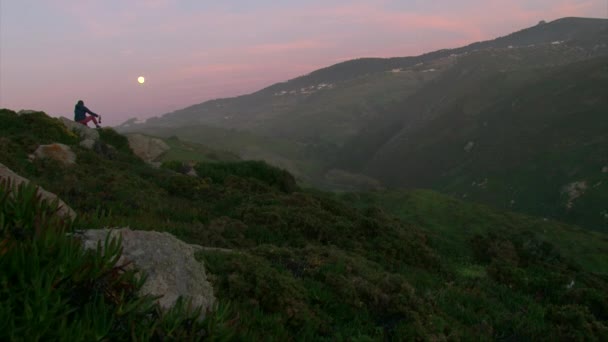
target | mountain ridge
[{"x": 562, "y": 30}]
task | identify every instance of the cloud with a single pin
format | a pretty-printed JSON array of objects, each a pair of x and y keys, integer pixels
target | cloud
[
  {"x": 192, "y": 71},
  {"x": 293, "y": 46},
  {"x": 154, "y": 4},
  {"x": 385, "y": 20}
]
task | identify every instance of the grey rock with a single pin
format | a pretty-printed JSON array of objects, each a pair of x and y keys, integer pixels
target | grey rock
[
  {"x": 60, "y": 152},
  {"x": 147, "y": 148},
  {"x": 605, "y": 169},
  {"x": 81, "y": 130},
  {"x": 15, "y": 179},
  {"x": 170, "y": 266},
  {"x": 88, "y": 143}
]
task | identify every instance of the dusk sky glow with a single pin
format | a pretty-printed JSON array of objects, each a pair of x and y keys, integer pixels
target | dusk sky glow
[{"x": 54, "y": 52}]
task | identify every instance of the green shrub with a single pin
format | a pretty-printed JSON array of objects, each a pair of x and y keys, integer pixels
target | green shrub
[
  {"x": 188, "y": 187},
  {"x": 174, "y": 165},
  {"x": 34, "y": 129},
  {"x": 317, "y": 294},
  {"x": 118, "y": 141},
  {"x": 259, "y": 170},
  {"x": 574, "y": 323}
]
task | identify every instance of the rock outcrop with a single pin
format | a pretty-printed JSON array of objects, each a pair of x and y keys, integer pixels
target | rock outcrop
[
  {"x": 15, "y": 179},
  {"x": 88, "y": 136},
  {"x": 59, "y": 152},
  {"x": 147, "y": 148},
  {"x": 169, "y": 264}
]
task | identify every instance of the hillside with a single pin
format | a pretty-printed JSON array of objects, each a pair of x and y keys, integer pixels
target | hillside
[
  {"x": 172, "y": 148},
  {"x": 354, "y": 88},
  {"x": 537, "y": 133},
  {"x": 490, "y": 122},
  {"x": 296, "y": 264},
  {"x": 213, "y": 142}
]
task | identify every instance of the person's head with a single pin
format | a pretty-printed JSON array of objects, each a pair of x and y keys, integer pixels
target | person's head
[{"x": 80, "y": 103}]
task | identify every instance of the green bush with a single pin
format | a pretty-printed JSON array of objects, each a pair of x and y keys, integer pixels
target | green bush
[
  {"x": 317, "y": 294},
  {"x": 183, "y": 186},
  {"x": 34, "y": 129},
  {"x": 574, "y": 323},
  {"x": 174, "y": 165},
  {"x": 116, "y": 140},
  {"x": 259, "y": 170}
]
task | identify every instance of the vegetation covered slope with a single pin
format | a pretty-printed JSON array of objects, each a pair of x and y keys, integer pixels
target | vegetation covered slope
[
  {"x": 514, "y": 122},
  {"x": 299, "y": 159},
  {"x": 190, "y": 151},
  {"x": 537, "y": 136},
  {"x": 300, "y": 264}
]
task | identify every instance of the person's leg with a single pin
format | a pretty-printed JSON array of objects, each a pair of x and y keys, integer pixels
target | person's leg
[
  {"x": 86, "y": 121},
  {"x": 89, "y": 118}
]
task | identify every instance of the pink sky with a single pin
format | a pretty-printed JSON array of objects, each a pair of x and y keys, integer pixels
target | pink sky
[{"x": 53, "y": 53}]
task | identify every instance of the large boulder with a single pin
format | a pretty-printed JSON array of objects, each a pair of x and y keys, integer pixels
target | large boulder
[
  {"x": 15, "y": 179},
  {"x": 147, "y": 148},
  {"x": 88, "y": 135},
  {"x": 169, "y": 264},
  {"x": 59, "y": 152}
]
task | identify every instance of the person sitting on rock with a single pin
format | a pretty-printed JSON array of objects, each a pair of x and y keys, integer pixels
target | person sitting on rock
[{"x": 80, "y": 115}]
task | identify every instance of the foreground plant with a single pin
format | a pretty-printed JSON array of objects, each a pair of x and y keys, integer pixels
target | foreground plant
[{"x": 53, "y": 289}]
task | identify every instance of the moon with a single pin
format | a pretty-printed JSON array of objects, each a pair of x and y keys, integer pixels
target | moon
[{"x": 141, "y": 80}]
